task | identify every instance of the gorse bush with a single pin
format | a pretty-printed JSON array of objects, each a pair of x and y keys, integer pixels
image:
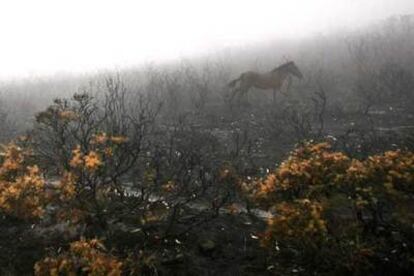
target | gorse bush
[
  {"x": 85, "y": 188},
  {"x": 307, "y": 170},
  {"x": 330, "y": 212},
  {"x": 84, "y": 257},
  {"x": 334, "y": 213},
  {"x": 92, "y": 168},
  {"x": 22, "y": 187}
]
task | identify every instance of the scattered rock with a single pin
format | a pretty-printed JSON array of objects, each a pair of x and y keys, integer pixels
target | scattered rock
[{"x": 207, "y": 246}]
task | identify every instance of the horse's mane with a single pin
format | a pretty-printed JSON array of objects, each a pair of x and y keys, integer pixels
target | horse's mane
[{"x": 283, "y": 66}]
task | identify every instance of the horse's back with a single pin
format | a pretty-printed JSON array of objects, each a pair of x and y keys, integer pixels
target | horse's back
[
  {"x": 263, "y": 80},
  {"x": 250, "y": 75}
]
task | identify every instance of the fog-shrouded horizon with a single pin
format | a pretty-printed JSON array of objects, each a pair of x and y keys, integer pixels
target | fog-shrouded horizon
[{"x": 46, "y": 37}]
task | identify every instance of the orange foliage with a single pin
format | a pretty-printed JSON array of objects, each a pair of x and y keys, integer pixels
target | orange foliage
[
  {"x": 67, "y": 188},
  {"x": 92, "y": 161},
  {"x": 88, "y": 256},
  {"x": 22, "y": 188},
  {"x": 394, "y": 169},
  {"x": 100, "y": 138},
  {"x": 119, "y": 139},
  {"x": 68, "y": 115},
  {"x": 103, "y": 138},
  {"x": 309, "y": 166},
  {"x": 299, "y": 219},
  {"x": 313, "y": 172},
  {"x": 77, "y": 158}
]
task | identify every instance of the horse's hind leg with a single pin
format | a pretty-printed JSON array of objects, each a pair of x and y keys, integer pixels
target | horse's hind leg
[
  {"x": 289, "y": 84},
  {"x": 233, "y": 94},
  {"x": 245, "y": 95},
  {"x": 274, "y": 95},
  {"x": 240, "y": 97}
]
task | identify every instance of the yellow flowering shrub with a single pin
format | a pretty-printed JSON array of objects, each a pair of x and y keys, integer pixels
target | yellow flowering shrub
[
  {"x": 101, "y": 147},
  {"x": 22, "y": 187},
  {"x": 328, "y": 206},
  {"x": 72, "y": 215},
  {"x": 84, "y": 257},
  {"x": 91, "y": 161},
  {"x": 100, "y": 138},
  {"x": 308, "y": 168},
  {"x": 86, "y": 176},
  {"x": 67, "y": 187},
  {"x": 68, "y": 115},
  {"x": 298, "y": 219},
  {"x": 13, "y": 158},
  {"x": 103, "y": 138},
  {"x": 119, "y": 139},
  {"x": 77, "y": 158},
  {"x": 393, "y": 169},
  {"x": 383, "y": 179}
]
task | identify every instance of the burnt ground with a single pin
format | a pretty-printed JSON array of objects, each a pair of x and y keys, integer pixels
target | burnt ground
[
  {"x": 253, "y": 139},
  {"x": 227, "y": 245},
  {"x": 258, "y": 137}
]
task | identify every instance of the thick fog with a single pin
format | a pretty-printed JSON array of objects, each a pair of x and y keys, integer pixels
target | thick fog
[
  {"x": 206, "y": 137},
  {"x": 44, "y": 37}
]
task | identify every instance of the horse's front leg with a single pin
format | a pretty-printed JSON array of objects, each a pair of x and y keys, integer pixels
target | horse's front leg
[
  {"x": 246, "y": 96},
  {"x": 274, "y": 95},
  {"x": 233, "y": 94},
  {"x": 246, "y": 93},
  {"x": 288, "y": 85},
  {"x": 242, "y": 96}
]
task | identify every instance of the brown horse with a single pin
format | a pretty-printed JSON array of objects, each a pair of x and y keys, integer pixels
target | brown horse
[{"x": 270, "y": 80}]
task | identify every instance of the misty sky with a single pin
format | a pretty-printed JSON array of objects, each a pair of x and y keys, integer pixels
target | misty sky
[{"x": 45, "y": 36}]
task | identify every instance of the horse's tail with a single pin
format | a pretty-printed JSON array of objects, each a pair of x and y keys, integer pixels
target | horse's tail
[{"x": 233, "y": 82}]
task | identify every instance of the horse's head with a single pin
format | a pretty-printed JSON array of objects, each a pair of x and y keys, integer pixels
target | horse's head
[{"x": 294, "y": 70}]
